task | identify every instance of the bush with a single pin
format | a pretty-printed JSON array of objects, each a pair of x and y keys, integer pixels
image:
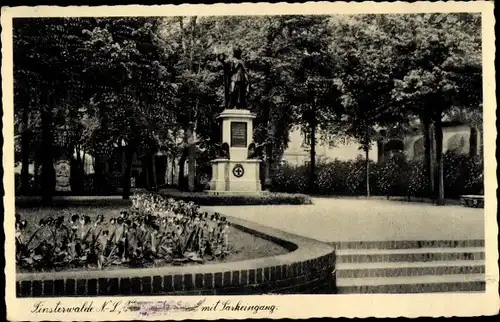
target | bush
[
  {"x": 346, "y": 177},
  {"x": 332, "y": 178},
  {"x": 88, "y": 183},
  {"x": 389, "y": 176},
  {"x": 291, "y": 179},
  {"x": 394, "y": 177},
  {"x": 474, "y": 183},
  {"x": 417, "y": 179},
  {"x": 17, "y": 183},
  {"x": 462, "y": 175},
  {"x": 204, "y": 199}
]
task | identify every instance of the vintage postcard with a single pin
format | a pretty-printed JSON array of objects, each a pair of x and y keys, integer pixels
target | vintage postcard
[{"x": 246, "y": 161}]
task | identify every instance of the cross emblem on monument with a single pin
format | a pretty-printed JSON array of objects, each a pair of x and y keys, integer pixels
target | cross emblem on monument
[{"x": 238, "y": 171}]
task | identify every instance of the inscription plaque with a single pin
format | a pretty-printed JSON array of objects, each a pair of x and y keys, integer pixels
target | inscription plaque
[{"x": 239, "y": 134}]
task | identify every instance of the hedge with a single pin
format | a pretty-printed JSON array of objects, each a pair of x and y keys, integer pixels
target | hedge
[
  {"x": 397, "y": 176},
  {"x": 204, "y": 199}
]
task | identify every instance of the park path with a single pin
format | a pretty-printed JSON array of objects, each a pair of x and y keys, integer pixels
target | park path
[{"x": 351, "y": 219}]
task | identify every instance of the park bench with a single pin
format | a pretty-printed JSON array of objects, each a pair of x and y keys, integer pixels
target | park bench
[{"x": 474, "y": 201}]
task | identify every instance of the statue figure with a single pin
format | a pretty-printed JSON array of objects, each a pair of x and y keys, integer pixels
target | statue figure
[
  {"x": 236, "y": 83},
  {"x": 224, "y": 151},
  {"x": 255, "y": 151},
  {"x": 226, "y": 66},
  {"x": 251, "y": 151}
]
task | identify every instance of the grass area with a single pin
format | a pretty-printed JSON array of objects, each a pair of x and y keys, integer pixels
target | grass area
[{"x": 244, "y": 245}]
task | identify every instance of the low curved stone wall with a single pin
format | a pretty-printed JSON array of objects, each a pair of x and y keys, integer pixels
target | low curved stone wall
[{"x": 308, "y": 268}]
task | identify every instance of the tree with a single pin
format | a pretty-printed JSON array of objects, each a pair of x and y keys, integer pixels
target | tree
[
  {"x": 312, "y": 92},
  {"x": 443, "y": 70},
  {"x": 196, "y": 74},
  {"x": 366, "y": 73},
  {"x": 46, "y": 75},
  {"x": 132, "y": 67}
]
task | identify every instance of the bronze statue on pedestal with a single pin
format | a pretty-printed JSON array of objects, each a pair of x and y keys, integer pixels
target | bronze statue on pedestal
[{"x": 236, "y": 83}]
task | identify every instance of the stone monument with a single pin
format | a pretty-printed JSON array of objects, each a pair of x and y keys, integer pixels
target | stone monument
[
  {"x": 236, "y": 171},
  {"x": 63, "y": 173}
]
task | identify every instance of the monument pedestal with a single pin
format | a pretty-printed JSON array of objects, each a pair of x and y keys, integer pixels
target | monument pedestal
[
  {"x": 235, "y": 177},
  {"x": 237, "y": 174}
]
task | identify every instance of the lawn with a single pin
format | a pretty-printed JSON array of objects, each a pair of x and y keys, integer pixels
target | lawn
[{"x": 243, "y": 245}]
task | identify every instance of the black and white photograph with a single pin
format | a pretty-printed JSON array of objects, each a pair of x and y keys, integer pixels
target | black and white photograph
[{"x": 161, "y": 163}]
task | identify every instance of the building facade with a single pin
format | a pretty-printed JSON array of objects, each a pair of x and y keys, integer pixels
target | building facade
[{"x": 458, "y": 137}]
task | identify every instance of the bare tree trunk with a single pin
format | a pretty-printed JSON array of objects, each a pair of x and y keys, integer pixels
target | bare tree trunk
[
  {"x": 439, "y": 160},
  {"x": 153, "y": 172},
  {"x": 191, "y": 159},
  {"x": 128, "y": 171},
  {"x": 37, "y": 170},
  {"x": 367, "y": 165},
  {"x": 25, "y": 152},
  {"x": 429, "y": 165},
  {"x": 145, "y": 164},
  {"x": 312, "y": 175},
  {"x": 48, "y": 171},
  {"x": 191, "y": 126},
  {"x": 473, "y": 141},
  {"x": 77, "y": 170},
  {"x": 267, "y": 166},
  {"x": 182, "y": 162},
  {"x": 172, "y": 173}
]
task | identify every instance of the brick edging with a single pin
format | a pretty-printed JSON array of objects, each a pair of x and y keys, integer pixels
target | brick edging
[{"x": 308, "y": 268}]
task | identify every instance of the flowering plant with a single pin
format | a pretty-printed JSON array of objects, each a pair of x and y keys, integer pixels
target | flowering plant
[{"x": 154, "y": 231}]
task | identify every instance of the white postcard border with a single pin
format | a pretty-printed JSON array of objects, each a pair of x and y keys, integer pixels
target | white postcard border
[{"x": 289, "y": 306}]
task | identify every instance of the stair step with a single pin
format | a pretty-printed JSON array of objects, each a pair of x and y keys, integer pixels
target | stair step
[
  {"x": 392, "y": 269},
  {"x": 406, "y": 244},
  {"x": 413, "y": 288},
  {"x": 405, "y": 280},
  {"x": 412, "y": 284},
  {"x": 343, "y": 252},
  {"x": 409, "y": 255},
  {"x": 348, "y": 266}
]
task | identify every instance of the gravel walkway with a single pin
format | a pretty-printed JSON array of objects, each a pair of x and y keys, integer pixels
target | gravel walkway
[{"x": 337, "y": 219}]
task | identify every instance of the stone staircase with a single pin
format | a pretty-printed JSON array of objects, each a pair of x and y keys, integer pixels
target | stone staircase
[{"x": 410, "y": 266}]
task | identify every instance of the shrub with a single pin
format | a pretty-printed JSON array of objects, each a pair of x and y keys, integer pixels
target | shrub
[
  {"x": 417, "y": 179},
  {"x": 356, "y": 177},
  {"x": 17, "y": 183},
  {"x": 331, "y": 178},
  {"x": 88, "y": 183},
  {"x": 394, "y": 177},
  {"x": 474, "y": 183},
  {"x": 291, "y": 179},
  {"x": 113, "y": 181},
  {"x": 388, "y": 176},
  {"x": 204, "y": 199},
  {"x": 462, "y": 174}
]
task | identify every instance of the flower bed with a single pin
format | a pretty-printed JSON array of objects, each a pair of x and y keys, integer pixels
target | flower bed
[
  {"x": 155, "y": 231},
  {"x": 205, "y": 199},
  {"x": 307, "y": 267}
]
